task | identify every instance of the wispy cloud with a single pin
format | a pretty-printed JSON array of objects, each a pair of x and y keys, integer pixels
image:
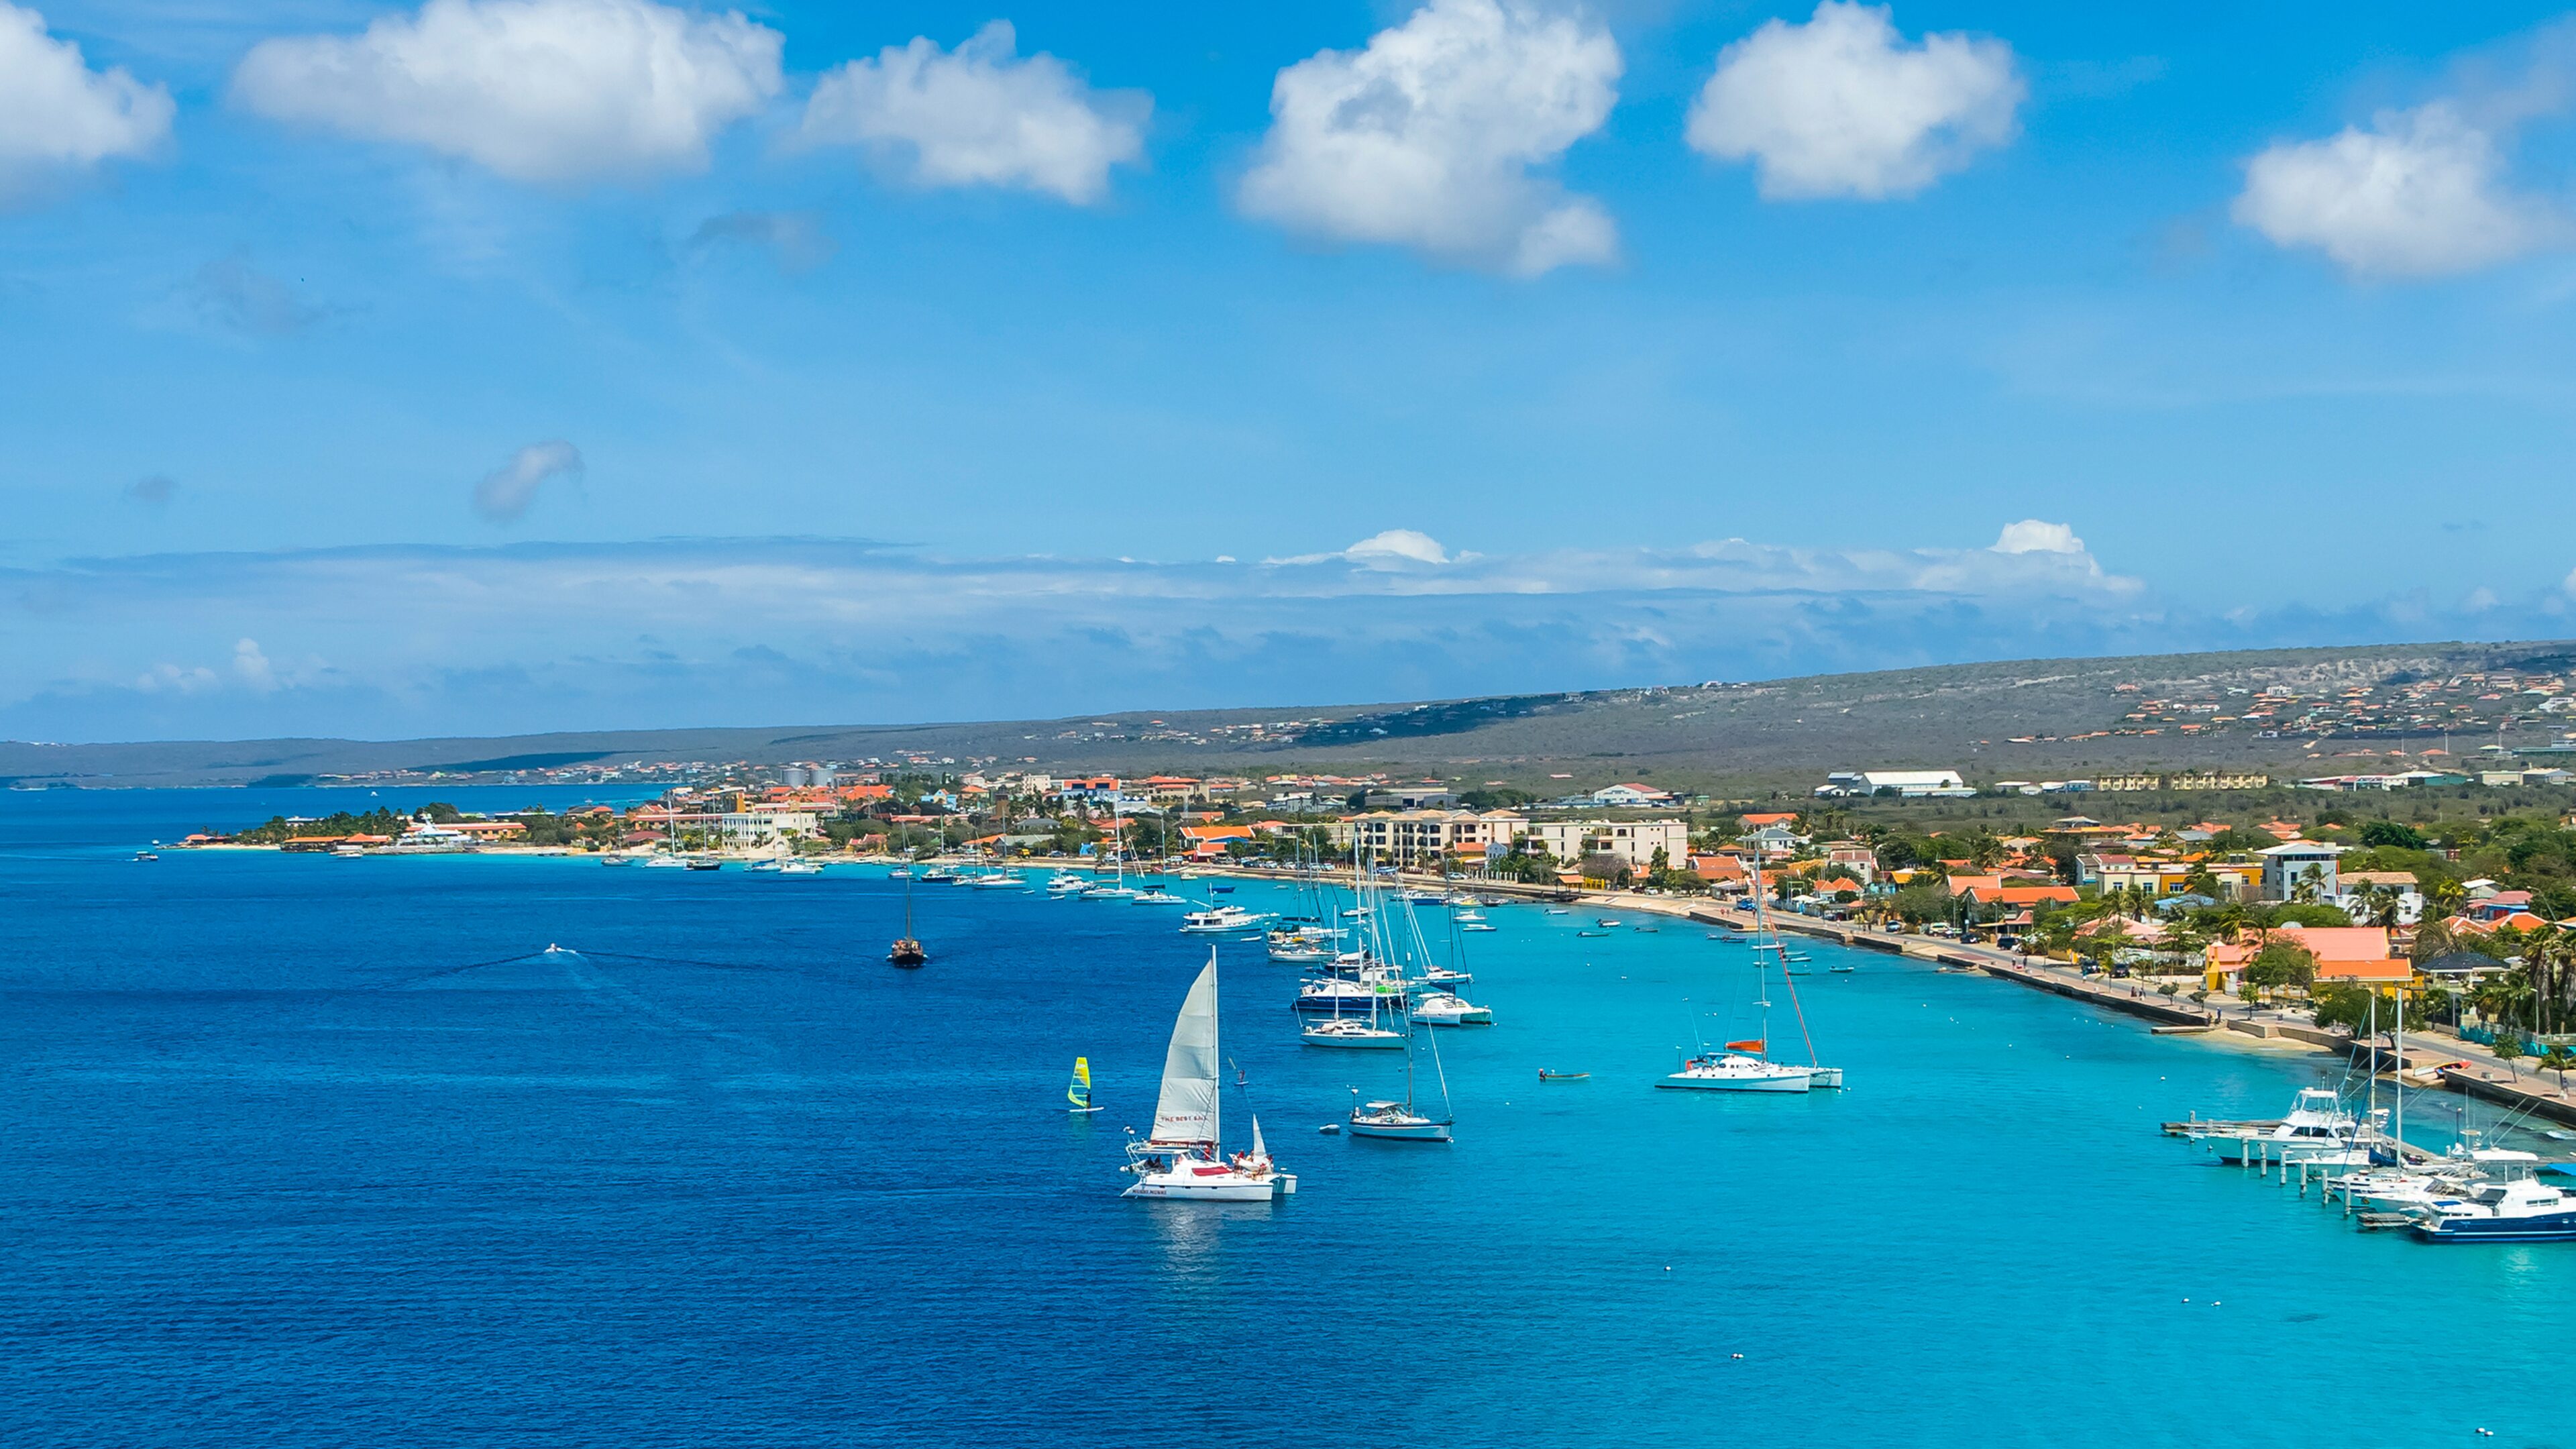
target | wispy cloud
[
  {"x": 795, "y": 238},
  {"x": 758, "y": 631},
  {"x": 505, "y": 493}
]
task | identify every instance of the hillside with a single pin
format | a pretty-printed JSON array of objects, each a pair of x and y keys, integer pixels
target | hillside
[{"x": 2296, "y": 711}]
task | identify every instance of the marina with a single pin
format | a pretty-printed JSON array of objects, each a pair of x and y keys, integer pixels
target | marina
[{"x": 749, "y": 1107}]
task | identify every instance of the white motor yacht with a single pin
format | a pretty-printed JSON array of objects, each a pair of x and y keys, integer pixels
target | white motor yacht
[
  {"x": 2318, "y": 1122},
  {"x": 1441, "y": 1008},
  {"x": 1064, "y": 883},
  {"x": 800, "y": 866},
  {"x": 1180, "y": 1158},
  {"x": 2521, "y": 1211},
  {"x": 1220, "y": 919}
]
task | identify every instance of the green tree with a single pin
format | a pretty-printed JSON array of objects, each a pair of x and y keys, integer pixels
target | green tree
[{"x": 2279, "y": 964}]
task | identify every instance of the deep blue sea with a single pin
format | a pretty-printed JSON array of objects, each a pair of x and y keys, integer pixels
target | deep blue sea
[{"x": 282, "y": 1162}]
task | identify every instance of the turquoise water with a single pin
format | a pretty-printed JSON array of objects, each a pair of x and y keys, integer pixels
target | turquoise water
[{"x": 282, "y": 1163}]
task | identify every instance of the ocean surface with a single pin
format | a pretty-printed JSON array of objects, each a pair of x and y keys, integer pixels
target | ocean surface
[{"x": 304, "y": 1151}]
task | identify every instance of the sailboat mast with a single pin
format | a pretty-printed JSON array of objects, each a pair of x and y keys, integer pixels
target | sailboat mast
[{"x": 2401, "y": 1078}]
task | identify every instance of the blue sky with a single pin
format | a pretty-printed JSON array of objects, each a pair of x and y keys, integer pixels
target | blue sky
[{"x": 385, "y": 370}]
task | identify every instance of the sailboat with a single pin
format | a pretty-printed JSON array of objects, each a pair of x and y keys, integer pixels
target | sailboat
[
  {"x": 1179, "y": 1157},
  {"x": 1397, "y": 1121},
  {"x": 1078, "y": 1091},
  {"x": 1766, "y": 938},
  {"x": 906, "y": 951}
]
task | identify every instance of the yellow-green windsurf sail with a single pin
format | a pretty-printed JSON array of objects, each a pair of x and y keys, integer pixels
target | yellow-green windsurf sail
[{"x": 1079, "y": 1092}]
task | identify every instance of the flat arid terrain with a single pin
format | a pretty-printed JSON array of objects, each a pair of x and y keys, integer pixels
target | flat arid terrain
[{"x": 2296, "y": 711}]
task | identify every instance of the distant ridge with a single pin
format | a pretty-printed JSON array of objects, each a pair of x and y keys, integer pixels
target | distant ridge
[{"x": 1989, "y": 720}]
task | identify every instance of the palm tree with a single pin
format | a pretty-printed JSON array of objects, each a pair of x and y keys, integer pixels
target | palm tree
[{"x": 2446, "y": 897}]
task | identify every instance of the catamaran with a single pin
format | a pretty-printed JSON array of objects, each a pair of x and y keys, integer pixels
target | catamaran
[
  {"x": 1179, "y": 1157},
  {"x": 1078, "y": 1091}
]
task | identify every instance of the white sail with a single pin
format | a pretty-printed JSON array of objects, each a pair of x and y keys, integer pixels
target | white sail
[{"x": 1186, "y": 1112}]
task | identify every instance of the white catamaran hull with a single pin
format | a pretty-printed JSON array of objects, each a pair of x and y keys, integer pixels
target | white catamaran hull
[{"x": 1227, "y": 1186}]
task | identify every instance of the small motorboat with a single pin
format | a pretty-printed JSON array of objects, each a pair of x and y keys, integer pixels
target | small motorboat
[
  {"x": 1477, "y": 926},
  {"x": 1840, "y": 968},
  {"x": 147, "y": 855},
  {"x": 1592, "y": 933},
  {"x": 1648, "y": 930},
  {"x": 1545, "y": 1075},
  {"x": 1330, "y": 1129},
  {"x": 1556, "y": 911},
  {"x": 1221, "y": 890},
  {"x": 1732, "y": 938},
  {"x": 907, "y": 953},
  {"x": 706, "y": 862},
  {"x": 1607, "y": 921}
]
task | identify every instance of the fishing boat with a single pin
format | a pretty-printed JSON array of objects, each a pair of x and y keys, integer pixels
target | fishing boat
[
  {"x": 2318, "y": 1122},
  {"x": 1078, "y": 1091},
  {"x": 906, "y": 951},
  {"x": 1545, "y": 1075},
  {"x": 1179, "y": 1159}
]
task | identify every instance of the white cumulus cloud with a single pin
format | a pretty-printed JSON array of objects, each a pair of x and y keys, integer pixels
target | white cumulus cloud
[
  {"x": 2033, "y": 535},
  {"x": 1433, "y": 136},
  {"x": 252, "y": 666},
  {"x": 505, "y": 493},
  {"x": 982, "y": 116},
  {"x": 56, "y": 114},
  {"x": 536, "y": 90},
  {"x": 2420, "y": 193},
  {"x": 1844, "y": 106}
]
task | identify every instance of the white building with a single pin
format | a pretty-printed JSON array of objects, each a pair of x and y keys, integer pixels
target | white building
[
  {"x": 1423, "y": 837},
  {"x": 1634, "y": 842},
  {"x": 766, "y": 823},
  {"x": 1911, "y": 784},
  {"x": 2295, "y": 862},
  {"x": 1631, "y": 794}
]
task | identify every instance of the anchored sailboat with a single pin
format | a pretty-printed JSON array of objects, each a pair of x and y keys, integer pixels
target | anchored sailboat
[
  {"x": 906, "y": 951},
  {"x": 1180, "y": 1158},
  {"x": 1078, "y": 1091}
]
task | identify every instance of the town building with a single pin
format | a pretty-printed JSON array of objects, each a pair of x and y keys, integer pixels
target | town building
[{"x": 1910, "y": 784}]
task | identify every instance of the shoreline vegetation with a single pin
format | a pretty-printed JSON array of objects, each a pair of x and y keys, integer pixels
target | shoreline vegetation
[{"x": 2301, "y": 929}]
